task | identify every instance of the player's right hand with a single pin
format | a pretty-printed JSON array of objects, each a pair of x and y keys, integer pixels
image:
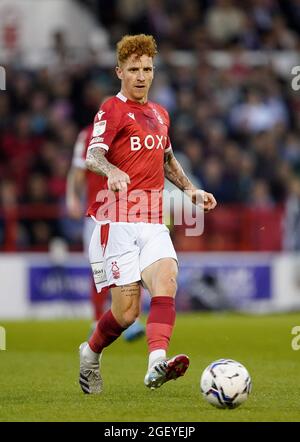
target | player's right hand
[{"x": 117, "y": 180}]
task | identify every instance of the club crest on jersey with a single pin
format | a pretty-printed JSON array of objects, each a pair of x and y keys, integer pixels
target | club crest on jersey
[
  {"x": 115, "y": 270},
  {"x": 158, "y": 116},
  {"x": 131, "y": 115},
  {"x": 99, "y": 128}
]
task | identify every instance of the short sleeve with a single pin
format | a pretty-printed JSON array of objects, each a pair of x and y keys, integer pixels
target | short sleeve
[{"x": 105, "y": 127}]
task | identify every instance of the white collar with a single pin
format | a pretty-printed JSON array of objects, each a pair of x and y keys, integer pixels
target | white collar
[{"x": 121, "y": 97}]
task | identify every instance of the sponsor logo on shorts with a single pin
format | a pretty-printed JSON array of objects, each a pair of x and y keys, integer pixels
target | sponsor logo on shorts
[
  {"x": 115, "y": 270},
  {"x": 99, "y": 272}
]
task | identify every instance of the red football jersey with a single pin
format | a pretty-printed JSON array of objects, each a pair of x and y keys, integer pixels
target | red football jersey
[
  {"x": 94, "y": 182},
  {"x": 135, "y": 137}
]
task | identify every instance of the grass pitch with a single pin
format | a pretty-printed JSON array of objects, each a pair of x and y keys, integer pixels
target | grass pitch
[{"x": 39, "y": 372}]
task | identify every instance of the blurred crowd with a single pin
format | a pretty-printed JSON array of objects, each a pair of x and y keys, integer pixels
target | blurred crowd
[
  {"x": 234, "y": 128},
  {"x": 204, "y": 24}
]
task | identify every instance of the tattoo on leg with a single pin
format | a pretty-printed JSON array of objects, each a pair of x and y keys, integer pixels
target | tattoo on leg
[{"x": 130, "y": 290}]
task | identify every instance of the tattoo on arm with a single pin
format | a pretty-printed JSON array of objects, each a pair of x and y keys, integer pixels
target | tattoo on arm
[
  {"x": 97, "y": 163},
  {"x": 175, "y": 173}
]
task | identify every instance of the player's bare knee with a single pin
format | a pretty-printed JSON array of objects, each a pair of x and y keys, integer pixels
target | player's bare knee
[
  {"x": 166, "y": 286},
  {"x": 171, "y": 285}
]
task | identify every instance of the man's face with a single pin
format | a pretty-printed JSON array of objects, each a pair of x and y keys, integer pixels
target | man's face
[{"x": 136, "y": 75}]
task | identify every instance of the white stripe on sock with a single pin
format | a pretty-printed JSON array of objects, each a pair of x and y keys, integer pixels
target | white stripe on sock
[
  {"x": 154, "y": 355},
  {"x": 89, "y": 354}
]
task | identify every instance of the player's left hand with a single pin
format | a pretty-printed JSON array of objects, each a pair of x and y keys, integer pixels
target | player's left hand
[
  {"x": 202, "y": 199},
  {"x": 209, "y": 202}
]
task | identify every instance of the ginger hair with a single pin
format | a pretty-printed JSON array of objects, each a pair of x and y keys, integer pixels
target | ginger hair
[{"x": 135, "y": 44}]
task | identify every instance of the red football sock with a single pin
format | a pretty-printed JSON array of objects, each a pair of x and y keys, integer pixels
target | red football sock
[
  {"x": 160, "y": 322},
  {"x": 98, "y": 300},
  {"x": 106, "y": 332}
]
